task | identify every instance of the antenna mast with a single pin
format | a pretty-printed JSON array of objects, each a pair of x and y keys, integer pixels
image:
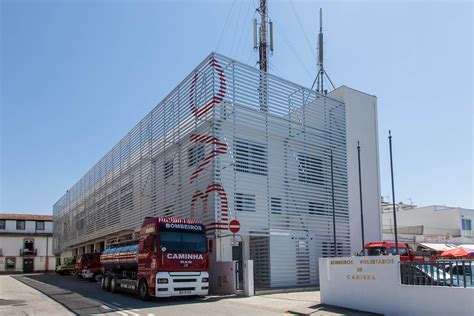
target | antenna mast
[
  {"x": 260, "y": 40},
  {"x": 319, "y": 80}
]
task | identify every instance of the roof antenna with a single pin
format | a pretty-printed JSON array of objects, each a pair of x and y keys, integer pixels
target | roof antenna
[{"x": 319, "y": 80}]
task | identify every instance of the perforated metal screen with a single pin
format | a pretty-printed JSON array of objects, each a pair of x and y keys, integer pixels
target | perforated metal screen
[{"x": 228, "y": 142}]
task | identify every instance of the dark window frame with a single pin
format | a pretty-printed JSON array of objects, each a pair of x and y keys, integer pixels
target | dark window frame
[
  {"x": 168, "y": 169},
  {"x": 245, "y": 202},
  {"x": 40, "y": 222},
  {"x": 3, "y": 224},
  {"x": 18, "y": 221},
  {"x": 251, "y": 157},
  {"x": 195, "y": 155}
]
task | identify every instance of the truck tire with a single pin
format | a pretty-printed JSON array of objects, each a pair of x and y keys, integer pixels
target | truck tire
[
  {"x": 102, "y": 283},
  {"x": 143, "y": 290},
  {"x": 107, "y": 283},
  {"x": 97, "y": 277},
  {"x": 113, "y": 285}
]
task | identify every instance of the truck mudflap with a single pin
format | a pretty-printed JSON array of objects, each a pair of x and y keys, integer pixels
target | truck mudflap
[{"x": 182, "y": 283}]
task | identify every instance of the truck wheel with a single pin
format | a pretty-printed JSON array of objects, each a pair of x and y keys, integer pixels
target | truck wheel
[
  {"x": 107, "y": 283},
  {"x": 102, "y": 283},
  {"x": 113, "y": 285},
  {"x": 143, "y": 291},
  {"x": 97, "y": 277}
]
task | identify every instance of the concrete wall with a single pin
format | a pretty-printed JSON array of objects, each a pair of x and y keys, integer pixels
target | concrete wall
[
  {"x": 362, "y": 126},
  {"x": 373, "y": 285},
  {"x": 435, "y": 219}
]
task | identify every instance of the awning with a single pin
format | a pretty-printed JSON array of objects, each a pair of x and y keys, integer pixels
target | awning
[
  {"x": 459, "y": 252},
  {"x": 438, "y": 247}
]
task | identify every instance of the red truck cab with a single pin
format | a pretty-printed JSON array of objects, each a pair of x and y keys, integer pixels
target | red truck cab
[
  {"x": 88, "y": 266},
  {"x": 170, "y": 259},
  {"x": 388, "y": 248}
]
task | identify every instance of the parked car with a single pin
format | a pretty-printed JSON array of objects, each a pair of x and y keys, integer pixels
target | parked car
[
  {"x": 67, "y": 267},
  {"x": 461, "y": 270}
]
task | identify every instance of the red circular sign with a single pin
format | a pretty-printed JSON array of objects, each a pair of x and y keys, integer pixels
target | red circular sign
[{"x": 234, "y": 226}]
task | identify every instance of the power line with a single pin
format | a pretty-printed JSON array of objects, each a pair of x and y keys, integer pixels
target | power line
[
  {"x": 292, "y": 49},
  {"x": 236, "y": 26},
  {"x": 225, "y": 25},
  {"x": 302, "y": 29}
]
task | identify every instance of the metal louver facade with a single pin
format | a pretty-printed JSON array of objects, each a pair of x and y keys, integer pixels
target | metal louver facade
[{"x": 228, "y": 142}]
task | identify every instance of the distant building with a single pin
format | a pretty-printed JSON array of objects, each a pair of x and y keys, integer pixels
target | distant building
[
  {"x": 26, "y": 243},
  {"x": 433, "y": 223}
]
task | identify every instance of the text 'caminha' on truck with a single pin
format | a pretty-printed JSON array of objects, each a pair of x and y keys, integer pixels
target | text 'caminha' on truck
[{"x": 170, "y": 259}]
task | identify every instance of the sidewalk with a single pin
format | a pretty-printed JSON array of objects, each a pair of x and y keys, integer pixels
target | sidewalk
[
  {"x": 17, "y": 298},
  {"x": 295, "y": 303}
]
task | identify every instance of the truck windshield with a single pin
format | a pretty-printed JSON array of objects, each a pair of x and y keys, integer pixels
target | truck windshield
[
  {"x": 377, "y": 251},
  {"x": 183, "y": 241}
]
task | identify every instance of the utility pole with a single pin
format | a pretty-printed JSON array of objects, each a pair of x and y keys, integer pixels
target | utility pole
[
  {"x": 360, "y": 198},
  {"x": 393, "y": 194},
  {"x": 333, "y": 206}
]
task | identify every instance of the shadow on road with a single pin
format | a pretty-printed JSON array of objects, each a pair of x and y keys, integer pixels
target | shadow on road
[{"x": 83, "y": 297}]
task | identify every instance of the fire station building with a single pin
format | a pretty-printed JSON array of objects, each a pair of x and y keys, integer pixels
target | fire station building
[{"x": 230, "y": 142}]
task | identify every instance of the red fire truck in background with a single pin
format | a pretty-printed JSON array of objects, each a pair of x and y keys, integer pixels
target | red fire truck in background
[
  {"x": 170, "y": 259},
  {"x": 88, "y": 266},
  {"x": 386, "y": 248}
]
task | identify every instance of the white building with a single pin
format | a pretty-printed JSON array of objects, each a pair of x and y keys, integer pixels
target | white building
[
  {"x": 26, "y": 243},
  {"x": 435, "y": 223},
  {"x": 228, "y": 143}
]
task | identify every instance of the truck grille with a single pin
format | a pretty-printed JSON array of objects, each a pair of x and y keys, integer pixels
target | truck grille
[
  {"x": 183, "y": 280},
  {"x": 184, "y": 289}
]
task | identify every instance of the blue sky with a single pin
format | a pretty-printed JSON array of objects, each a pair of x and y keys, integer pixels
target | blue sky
[{"x": 78, "y": 75}]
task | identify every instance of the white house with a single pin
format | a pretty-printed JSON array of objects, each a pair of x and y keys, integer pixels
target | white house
[
  {"x": 26, "y": 243},
  {"x": 434, "y": 223}
]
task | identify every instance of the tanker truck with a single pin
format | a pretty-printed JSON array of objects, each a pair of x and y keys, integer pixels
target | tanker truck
[{"x": 170, "y": 259}]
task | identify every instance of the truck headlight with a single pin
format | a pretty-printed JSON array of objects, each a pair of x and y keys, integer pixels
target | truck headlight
[
  {"x": 161, "y": 281},
  {"x": 205, "y": 280}
]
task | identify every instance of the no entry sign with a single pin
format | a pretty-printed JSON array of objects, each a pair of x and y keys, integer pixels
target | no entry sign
[{"x": 234, "y": 226}]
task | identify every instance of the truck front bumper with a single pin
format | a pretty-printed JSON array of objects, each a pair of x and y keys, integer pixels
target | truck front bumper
[
  {"x": 182, "y": 283},
  {"x": 86, "y": 274}
]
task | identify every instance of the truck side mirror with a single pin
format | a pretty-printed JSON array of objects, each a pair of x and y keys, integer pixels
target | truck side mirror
[{"x": 210, "y": 245}]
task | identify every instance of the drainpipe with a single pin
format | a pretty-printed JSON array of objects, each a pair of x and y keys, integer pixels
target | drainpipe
[{"x": 47, "y": 257}]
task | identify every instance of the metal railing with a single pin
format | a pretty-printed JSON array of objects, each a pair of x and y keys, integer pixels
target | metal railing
[
  {"x": 28, "y": 252},
  {"x": 451, "y": 273}
]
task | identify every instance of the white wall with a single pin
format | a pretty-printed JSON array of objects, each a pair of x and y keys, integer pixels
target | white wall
[
  {"x": 30, "y": 227},
  {"x": 435, "y": 219},
  {"x": 11, "y": 246},
  {"x": 362, "y": 126},
  {"x": 343, "y": 284}
]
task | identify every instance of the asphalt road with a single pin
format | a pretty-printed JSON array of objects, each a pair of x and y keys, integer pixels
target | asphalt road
[{"x": 82, "y": 297}]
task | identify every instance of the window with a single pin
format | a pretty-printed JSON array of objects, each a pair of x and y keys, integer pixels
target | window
[
  {"x": 195, "y": 155},
  {"x": 40, "y": 225},
  {"x": 10, "y": 264},
  {"x": 183, "y": 241},
  {"x": 250, "y": 157},
  {"x": 168, "y": 169},
  {"x": 275, "y": 204},
  {"x": 20, "y": 225},
  {"x": 466, "y": 224},
  {"x": 2, "y": 224},
  {"x": 310, "y": 169},
  {"x": 244, "y": 202},
  {"x": 318, "y": 208}
]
